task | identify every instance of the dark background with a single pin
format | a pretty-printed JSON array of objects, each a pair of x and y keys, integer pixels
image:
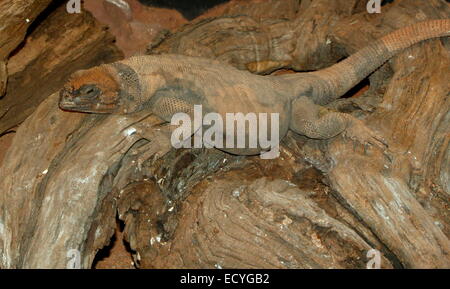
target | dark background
[{"x": 189, "y": 8}]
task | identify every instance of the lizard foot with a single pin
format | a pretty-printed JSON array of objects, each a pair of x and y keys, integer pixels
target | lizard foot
[
  {"x": 360, "y": 133},
  {"x": 159, "y": 144},
  {"x": 154, "y": 149}
]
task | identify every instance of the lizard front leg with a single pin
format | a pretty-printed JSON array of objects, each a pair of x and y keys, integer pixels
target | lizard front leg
[
  {"x": 317, "y": 122},
  {"x": 165, "y": 104},
  {"x": 159, "y": 143}
]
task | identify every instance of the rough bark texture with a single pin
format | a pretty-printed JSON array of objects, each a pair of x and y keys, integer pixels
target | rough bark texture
[
  {"x": 15, "y": 17},
  {"x": 322, "y": 204},
  {"x": 292, "y": 36}
]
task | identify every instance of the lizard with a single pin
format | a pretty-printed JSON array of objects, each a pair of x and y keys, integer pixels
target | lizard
[{"x": 169, "y": 84}]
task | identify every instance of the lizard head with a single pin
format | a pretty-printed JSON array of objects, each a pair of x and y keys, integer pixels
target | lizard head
[{"x": 94, "y": 90}]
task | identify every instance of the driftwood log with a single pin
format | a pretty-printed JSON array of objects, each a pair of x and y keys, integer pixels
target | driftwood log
[{"x": 321, "y": 204}]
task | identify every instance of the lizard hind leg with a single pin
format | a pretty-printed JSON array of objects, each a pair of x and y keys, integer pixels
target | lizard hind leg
[{"x": 317, "y": 122}]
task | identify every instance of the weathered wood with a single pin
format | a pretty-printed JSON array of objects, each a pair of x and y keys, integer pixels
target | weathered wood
[
  {"x": 404, "y": 200},
  {"x": 263, "y": 44},
  {"x": 383, "y": 192},
  {"x": 3, "y": 77},
  {"x": 57, "y": 201},
  {"x": 15, "y": 18},
  {"x": 245, "y": 213}
]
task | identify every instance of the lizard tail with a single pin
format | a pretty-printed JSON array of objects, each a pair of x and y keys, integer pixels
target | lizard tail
[{"x": 332, "y": 82}]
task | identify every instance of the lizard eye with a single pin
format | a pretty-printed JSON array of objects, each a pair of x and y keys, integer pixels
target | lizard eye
[{"x": 89, "y": 91}]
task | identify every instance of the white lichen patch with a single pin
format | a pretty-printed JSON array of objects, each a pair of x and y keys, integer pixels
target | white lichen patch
[
  {"x": 155, "y": 239},
  {"x": 129, "y": 131},
  {"x": 382, "y": 212},
  {"x": 85, "y": 180},
  {"x": 399, "y": 199},
  {"x": 439, "y": 224},
  {"x": 98, "y": 232}
]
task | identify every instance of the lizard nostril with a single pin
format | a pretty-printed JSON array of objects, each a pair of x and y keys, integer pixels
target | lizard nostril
[{"x": 64, "y": 94}]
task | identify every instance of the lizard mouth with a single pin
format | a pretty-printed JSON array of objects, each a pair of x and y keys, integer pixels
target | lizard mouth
[
  {"x": 85, "y": 108},
  {"x": 83, "y": 101},
  {"x": 70, "y": 105},
  {"x": 88, "y": 99}
]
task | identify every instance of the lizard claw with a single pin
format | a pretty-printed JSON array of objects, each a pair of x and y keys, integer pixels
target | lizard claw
[
  {"x": 152, "y": 150},
  {"x": 159, "y": 144},
  {"x": 360, "y": 133}
]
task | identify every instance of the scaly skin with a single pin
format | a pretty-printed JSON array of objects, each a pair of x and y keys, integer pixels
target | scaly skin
[{"x": 167, "y": 84}]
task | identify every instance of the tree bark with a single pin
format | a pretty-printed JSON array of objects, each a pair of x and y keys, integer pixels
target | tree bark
[{"x": 16, "y": 16}]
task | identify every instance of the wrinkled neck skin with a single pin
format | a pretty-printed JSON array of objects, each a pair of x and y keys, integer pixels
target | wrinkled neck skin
[
  {"x": 131, "y": 90},
  {"x": 140, "y": 78}
]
